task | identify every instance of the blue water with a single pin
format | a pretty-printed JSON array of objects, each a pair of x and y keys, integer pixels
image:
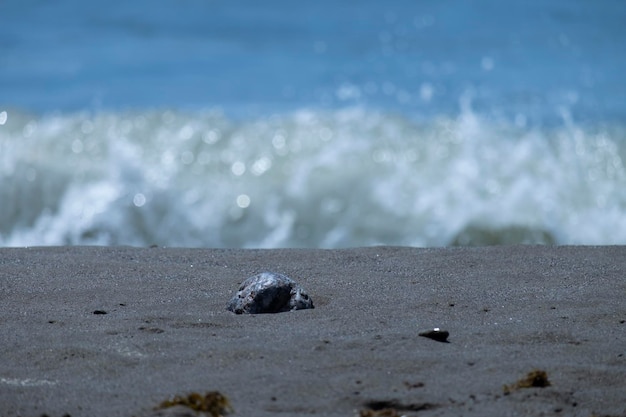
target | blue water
[{"x": 323, "y": 124}]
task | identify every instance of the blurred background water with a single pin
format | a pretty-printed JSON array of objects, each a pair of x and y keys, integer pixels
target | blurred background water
[{"x": 325, "y": 124}]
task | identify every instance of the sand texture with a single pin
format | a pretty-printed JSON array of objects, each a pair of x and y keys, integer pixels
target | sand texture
[{"x": 101, "y": 331}]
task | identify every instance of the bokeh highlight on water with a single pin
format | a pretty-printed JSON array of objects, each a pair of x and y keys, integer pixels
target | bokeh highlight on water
[{"x": 239, "y": 124}]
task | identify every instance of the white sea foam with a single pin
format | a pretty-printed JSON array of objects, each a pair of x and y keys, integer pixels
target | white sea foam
[
  {"x": 340, "y": 178},
  {"x": 28, "y": 382}
]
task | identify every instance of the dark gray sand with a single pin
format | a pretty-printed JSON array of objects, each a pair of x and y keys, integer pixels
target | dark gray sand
[{"x": 166, "y": 331}]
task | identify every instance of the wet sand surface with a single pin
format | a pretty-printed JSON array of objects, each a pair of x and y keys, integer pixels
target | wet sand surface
[{"x": 107, "y": 331}]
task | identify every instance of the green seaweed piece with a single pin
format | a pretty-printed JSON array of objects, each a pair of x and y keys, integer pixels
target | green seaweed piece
[
  {"x": 534, "y": 379},
  {"x": 214, "y": 403}
]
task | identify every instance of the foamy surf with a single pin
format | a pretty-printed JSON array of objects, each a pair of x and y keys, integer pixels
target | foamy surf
[{"x": 350, "y": 177}]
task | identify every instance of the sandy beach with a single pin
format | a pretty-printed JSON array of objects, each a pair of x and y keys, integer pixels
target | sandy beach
[{"x": 109, "y": 331}]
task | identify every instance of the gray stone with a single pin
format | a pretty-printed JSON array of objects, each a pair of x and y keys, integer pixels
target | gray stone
[
  {"x": 436, "y": 334},
  {"x": 269, "y": 292}
]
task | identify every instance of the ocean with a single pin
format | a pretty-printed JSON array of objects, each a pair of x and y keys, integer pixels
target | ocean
[{"x": 210, "y": 123}]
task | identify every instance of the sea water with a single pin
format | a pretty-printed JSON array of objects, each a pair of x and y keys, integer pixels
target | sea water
[{"x": 325, "y": 124}]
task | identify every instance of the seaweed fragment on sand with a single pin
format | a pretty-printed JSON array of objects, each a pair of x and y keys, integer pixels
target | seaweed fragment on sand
[
  {"x": 212, "y": 403},
  {"x": 534, "y": 379},
  {"x": 385, "y": 412}
]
